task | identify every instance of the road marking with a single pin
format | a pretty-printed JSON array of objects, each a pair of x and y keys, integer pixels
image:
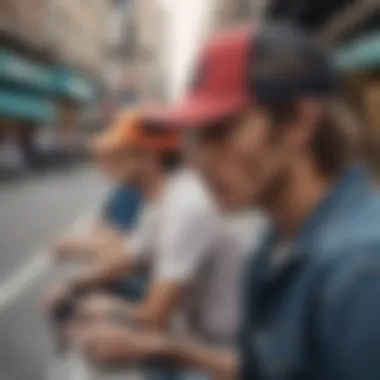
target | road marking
[
  {"x": 20, "y": 280},
  {"x": 79, "y": 367}
]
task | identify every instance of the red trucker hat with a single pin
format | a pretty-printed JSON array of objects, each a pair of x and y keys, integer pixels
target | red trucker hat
[
  {"x": 236, "y": 67},
  {"x": 217, "y": 87}
]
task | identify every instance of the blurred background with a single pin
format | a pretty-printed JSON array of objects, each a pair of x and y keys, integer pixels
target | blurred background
[{"x": 66, "y": 66}]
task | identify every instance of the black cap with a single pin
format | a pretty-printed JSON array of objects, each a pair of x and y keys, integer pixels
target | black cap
[{"x": 287, "y": 63}]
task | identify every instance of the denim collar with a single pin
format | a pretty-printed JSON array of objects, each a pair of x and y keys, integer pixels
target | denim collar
[{"x": 350, "y": 187}]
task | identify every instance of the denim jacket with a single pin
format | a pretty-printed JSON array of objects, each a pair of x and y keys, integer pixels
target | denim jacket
[{"x": 318, "y": 316}]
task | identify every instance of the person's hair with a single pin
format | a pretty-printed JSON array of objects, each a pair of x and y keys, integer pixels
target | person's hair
[
  {"x": 170, "y": 160},
  {"x": 334, "y": 141}
]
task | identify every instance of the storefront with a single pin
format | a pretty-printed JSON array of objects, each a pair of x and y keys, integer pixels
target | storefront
[{"x": 33, "y": 98}]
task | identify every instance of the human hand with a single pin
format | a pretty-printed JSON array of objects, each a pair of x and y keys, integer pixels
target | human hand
[
  {"x": 63, "y": 248},
  {"x": 111, "y": 344},
  {"x": 99, "y": 307},
  {"x": 56, "y": 295}
]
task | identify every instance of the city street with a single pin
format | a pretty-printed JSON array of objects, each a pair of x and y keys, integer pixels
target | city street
[
  {"x": 76, "y": 78},
  {"x": 33, "y": 212}
]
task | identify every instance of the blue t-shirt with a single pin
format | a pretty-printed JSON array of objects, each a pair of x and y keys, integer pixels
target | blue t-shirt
[{"x": 122, "y": 208}]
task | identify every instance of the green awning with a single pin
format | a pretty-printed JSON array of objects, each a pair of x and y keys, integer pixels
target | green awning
[
  {"x": 362, "y": 54},
  {"x": 20, "y": 106}
]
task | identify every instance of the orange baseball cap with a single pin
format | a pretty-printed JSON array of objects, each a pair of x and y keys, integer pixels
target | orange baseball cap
[{"x": 128, "y": 131}]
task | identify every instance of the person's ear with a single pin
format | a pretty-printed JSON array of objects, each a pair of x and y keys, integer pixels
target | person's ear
[{"x": 308, "y": 112}]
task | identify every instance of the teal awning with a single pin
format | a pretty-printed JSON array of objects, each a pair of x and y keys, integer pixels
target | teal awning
[
  {"x": 362, "y": 54},
  {"x": 19, "y": 69},
  {"x": 73, "y": 85},
  {"x": 25, "y": 107},
  {"x": 61, "y": 81}
]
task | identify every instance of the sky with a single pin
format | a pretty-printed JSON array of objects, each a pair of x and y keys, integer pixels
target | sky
[{"x": 188, "y": 22}]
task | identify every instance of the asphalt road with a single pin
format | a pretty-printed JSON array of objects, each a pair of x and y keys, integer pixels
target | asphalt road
[{"x": 32, "y": 212}]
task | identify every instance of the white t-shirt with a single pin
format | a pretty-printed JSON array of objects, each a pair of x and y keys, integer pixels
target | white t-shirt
[
  {"x": 186, "y": 240},
  {"x": 178, "y": 230},
  {"x": 215, "y": 300}
]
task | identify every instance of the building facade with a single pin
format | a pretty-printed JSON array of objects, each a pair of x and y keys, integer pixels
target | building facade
[
  {"x": 230, "y": 12},
  {"x": 122, "y": 58},
  {"x": 152, "y": 41},
  {"x": 52, "y": 55},
  {"x": 78, "y": 32},
  {"x": 26, "y": 20}
]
